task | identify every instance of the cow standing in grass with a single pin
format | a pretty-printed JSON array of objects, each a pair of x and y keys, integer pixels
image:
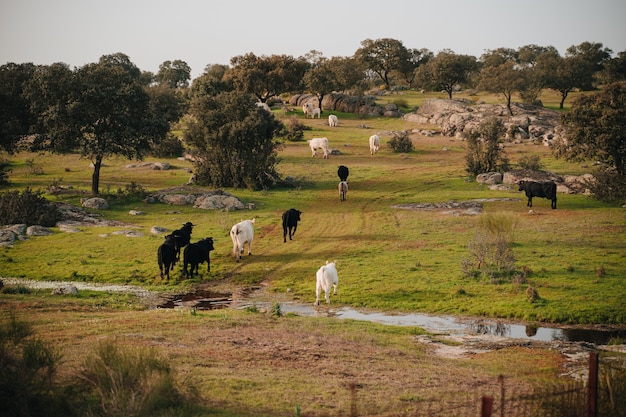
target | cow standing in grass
[
  {"x": 197, "y": 253},
  {"x": 242, "y": 233},
  {"x": 326, "y": 279},
  {"x": 343, "y": 190},
  {"x": 539, "y": 189},
  {"x": 290, "y": 223},
  {"x": 166, "y": 256},
  {"x": 182, "y": 237}
]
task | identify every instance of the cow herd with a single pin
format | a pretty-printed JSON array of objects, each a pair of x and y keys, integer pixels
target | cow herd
[{"x": 242, "y": 233}]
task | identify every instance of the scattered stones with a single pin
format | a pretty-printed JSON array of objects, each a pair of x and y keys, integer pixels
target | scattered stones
[
  {"x": 136, "y": 213},
  {"x": 38, "y": 231},
  {"x": 65, "y": 290},
  {"x": 158, "y": 230},
  {"x": 208, "y": 200}
]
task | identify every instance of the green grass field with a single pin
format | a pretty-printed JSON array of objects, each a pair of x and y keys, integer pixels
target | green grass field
[{"x": 387, "y": 258}]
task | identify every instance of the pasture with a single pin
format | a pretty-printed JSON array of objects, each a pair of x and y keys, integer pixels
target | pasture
[{"x": 387, "y": 258}]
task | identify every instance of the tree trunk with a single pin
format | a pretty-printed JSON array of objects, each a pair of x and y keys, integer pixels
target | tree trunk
[{"x": 95, "y": 177}]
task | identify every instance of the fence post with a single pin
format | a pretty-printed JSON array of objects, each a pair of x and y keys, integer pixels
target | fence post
[
  {"x": 592, "y": 386},
  {"x": 487, "y": 405}
]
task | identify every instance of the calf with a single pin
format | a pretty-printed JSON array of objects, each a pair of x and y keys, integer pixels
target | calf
[
  {"x": 166, "y": 256},
  {"x": 333, "y": 121},
  {"x": 343, "y": 172},
  {"x": 343, "y": 190},
  {"x": 539, "y": 189},
  {"x": 197, "y": 253},
  {"x": 242, "y": 233},
  {"x": 290, "y": 223},
  {"x": 182, "y": 237},
  {"x": 326, "y": 278}
]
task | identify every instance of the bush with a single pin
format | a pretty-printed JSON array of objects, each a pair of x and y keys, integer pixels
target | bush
[
  {"x": 27, "y": 367},
  {"x": 531, "y": 162},
  {"x": 293, "y": 130},
  {"x": 129, "y": 383},
  {"x": 170, "y": 147},
  {"x": 28, "y": 207},
  {"x": 608, "y": 186},
  {"x": 400, "y": 143},
  {"x": 484, "y": 153}
]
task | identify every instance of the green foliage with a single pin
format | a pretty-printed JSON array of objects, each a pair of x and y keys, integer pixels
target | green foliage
[
  {"x": 27, "y": 368},
  {"x": 170, "y": 147},
  {"x": 595, "y": 128},
  {"x": 608, "y": 186},
  {"x": 293, "y": 130},
  {"x": 124, "y": 382},
  {"x": 401, "y": 142},
  {"x": 28, "y": 207},
  {"x": 234, "y": 142},
  {"x": 530, "y": 162},
  {"x": 484, "y": 153}
]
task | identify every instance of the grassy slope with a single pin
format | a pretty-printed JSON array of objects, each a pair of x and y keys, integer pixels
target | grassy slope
[{"x": 387, "y": 258}]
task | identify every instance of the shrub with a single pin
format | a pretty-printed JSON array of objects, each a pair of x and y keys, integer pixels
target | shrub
[
  {"x": 490, "y": 249},
  {"x": 608, "y": 186},
  {"x": 170, "y": 147},
  {"x": 128, "y": 383},
  {"x": 531, "y": 162},
  {"x": 28, "y": 207},
  {"x": 293, "y": 130},
  {"x": 484, "y": 153},
  {"x": 400, "y": 143},
  {"x": 27, "y": 367}
]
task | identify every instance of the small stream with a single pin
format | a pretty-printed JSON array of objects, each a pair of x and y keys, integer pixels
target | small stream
[{"x": 451, "y": 325}]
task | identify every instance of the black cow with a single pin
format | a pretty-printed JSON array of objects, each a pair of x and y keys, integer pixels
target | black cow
[
  {"x": 197, "y": 253},
  {"x": 343, "y": 172},
  {"x": 182, "y": 237},
  {"x": 290, "y": 223},
  {"x": 539, "y": 189},
  {"x": 166, "y": 256}
]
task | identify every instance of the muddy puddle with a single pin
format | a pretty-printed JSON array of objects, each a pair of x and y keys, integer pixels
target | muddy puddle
[{"x": 438, "y": 324}]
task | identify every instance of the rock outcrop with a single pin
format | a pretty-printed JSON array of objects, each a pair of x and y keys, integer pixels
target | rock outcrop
[
  {"x": 456, "y": 117},
  {"x": 208, "y": 200}
]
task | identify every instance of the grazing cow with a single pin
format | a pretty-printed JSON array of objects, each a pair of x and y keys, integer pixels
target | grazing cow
[
  {"x": 166, "y": 256},
  {"x": 242, "y": 233},
  {"x": 343, "y": 190},
  {"x": 290, "y": 223},
  {"x": 182, "y": 237},
  {"x": 333, "y": 121},
  {"x": 539, "y": 189},
  {"x": 316, "y": 111},
  {"x": 343, "y": 172},
  {"x": 374, "y": 144},
  {"x": 319, "y": 143},
  {"x": 197, "y": 253},
  {"x": 326, "y": 279}
]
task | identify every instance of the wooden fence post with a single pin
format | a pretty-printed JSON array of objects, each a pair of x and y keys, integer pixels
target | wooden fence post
[
  {"x": 592, "y": 386},
  {"x": 487, "y": 405}
]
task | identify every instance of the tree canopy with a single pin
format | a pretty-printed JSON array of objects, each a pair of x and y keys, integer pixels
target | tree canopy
[
  {"x": 595, "y": 128},
  {"x": 233, "y": 141}
]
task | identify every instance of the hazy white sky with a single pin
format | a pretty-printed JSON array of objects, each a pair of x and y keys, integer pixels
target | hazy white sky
[{"x": 202, "y": 32}]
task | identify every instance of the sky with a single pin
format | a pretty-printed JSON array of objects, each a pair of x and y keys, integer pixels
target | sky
[{"x": 204, "y": 32}]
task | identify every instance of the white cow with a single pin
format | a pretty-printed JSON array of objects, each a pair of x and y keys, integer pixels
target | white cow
[
  {"x": 314, "y": 112},
  {"x": 319, "y": 143},
  {"x": 333, "y": 121},
  {"x": 307, "y": 108},
  {"x": 374, "y": 144},
  {"x": 326, "y": 279},
  {"x": 242, "y": 233},
  {"x": 343, "y": 190}
]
